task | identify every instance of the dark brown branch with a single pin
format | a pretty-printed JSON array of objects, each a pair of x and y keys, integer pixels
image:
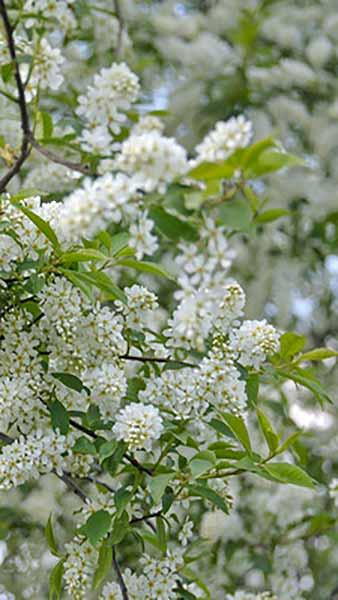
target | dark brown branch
[
  {"x": 70, "y": 483},
  {"x": 169, "y": 361},
  {"x": 25, "y": 144},
  {"x": 5, "y": 438},
  {"x": 84, "y": 169},
  {"x": 137, "y": 465},
  {"x": 120, "y": 579},
  {"x": 120, "y": 19},
  {"x": 146, "y": 517}
]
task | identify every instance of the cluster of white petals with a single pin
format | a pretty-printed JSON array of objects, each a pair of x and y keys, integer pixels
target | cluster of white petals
[
  {"x": 225, "y": 138},
  {"x": 254, "y": 341},
  {"x": 139, "y": 425},
  {"x": 152, "y": 160}
]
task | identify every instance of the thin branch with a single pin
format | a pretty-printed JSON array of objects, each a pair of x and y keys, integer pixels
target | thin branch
[
  {"x": 120, "y": 19},
  {"x": 120, "y": 579},
  {"x": 168, "y": 361},
  {"x": 70, "y": 483},
  {"x": 146, "y": 517},
  {"x": 25, "y": 145},
  {"x": 5, "y": 438},
  {"x": 84, "y": 169},
  {"x": 138, "y": 466}
]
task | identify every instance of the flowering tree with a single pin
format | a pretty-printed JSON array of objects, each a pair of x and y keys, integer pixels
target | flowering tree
[{"x": 138, "y": 402}]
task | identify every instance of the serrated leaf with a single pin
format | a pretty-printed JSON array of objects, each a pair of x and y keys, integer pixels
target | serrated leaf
[
  {"x": 208, "y": 170},
  {"x": 271, "y": 215},
  {"x": 289, "y": 441},
  {"x": 59, "y": 417},
  {"x": 41, "y": 225},
  {"x": 252, "y": 388},
  {"x": 146, "y": 267},
  {"x": 70, "y": 381},
  {"x": 288, "y": 473},
  {"x": 84, "y": 446},
  {"x": 271, "y": 437},
  {"x": 96, "y": 526},
  {"x": 120, "y": 528},
  {"x": 238, "y": 428},
  {"x": 49, "y": 533},
  {"x": 202, "y": 462},
  {"x": 161, "y": 534},
  {"x": 118, "y": 243},
  {"x": 291, "y": 344},
  {"x": 317, "y": 354},
  {"x": 203, "y": 491},
  {"x": 104, "y": 563},
  {"x": 171, "y": 226},
  {"x": 158, "y": 484},
  {"x": 55, "y": 581},
  {"x": 83, "y": 255}
]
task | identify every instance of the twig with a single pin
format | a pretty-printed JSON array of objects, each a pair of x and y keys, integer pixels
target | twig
[
  {"x": 120, "y": 579},
  {"x": 138, "y": 466},
  {"x": 169, "y": 361},
  {"x": 84, "y": 169},
  {"x": 25, "y": 146},
  {"x": 70, "y": 483},
  {"x": 5, "y": 438},
  {"x": 120, "y": 19},
  {"x": 146, "y": 517}
]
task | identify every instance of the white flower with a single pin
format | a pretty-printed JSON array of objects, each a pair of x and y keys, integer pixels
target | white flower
[
  {"x": 141, "y": 237},
  {"x": 114, "y": 89},
  {"x": 79, "y": 568},
  {"x": 225, "y": 138},
  {"x": 47, "y": 67},
  {"x": 138, "y": 425},
  {"x": 152, "y": 160},
  {"x": 231, "y": 307},
  {"x": 241, "y": 595},
  {"x": 108, "y": 386},
  {"x": 253, "y": 342}
]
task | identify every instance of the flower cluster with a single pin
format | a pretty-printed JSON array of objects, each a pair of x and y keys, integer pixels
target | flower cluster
[
  {"x": 104, "y": 105},
  {"x": 138, "y": 425},
  {"x": 225, "y": 138}
]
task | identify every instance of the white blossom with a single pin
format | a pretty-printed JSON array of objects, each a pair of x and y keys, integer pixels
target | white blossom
[
  {"x": 254, "y": 341},
  {"x": 225, "y": 138},
  {"x": 138, "y": 425}
]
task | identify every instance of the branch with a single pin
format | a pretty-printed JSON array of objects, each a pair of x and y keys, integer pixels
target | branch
[
  {"x": 169, "y": 361},
  {"x": 120, "y": 19},
  {"x": 25, "y": 147},
  {"x": 146, "y": 517},
  {"x": 120, "y": 579},
  {"x": 70, "y": 483},
  {"x": 84, "y": 169}
]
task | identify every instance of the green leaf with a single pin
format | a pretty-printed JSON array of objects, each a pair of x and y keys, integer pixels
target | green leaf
[
  {"x": 161, "y": 534},
  {"x": 252, "y": 388},
  {"x": 83, "y": 255},
  {"x": 104, "y": 283},
  {"x": 120, "y": 528},
  {"x": 49, "y": 533},
  {"x": 59, "y": 417},
  {"x": 118, "y": 242},
  {"x": 207, "y": 170},
  {"x": 291, "y": 344},
  {"x": 47, "y": 124},
  {"x": 271, "y": 437},
  {"x": 289, "y": 441},
  {"x": 202, "y": 462},
  {"x": 271, "y": 215},
  {"x": 104, "y": 563},
  {"x": 236, "y": 214},
  {"x": 122, "y": 498},
  {"x": 288, "y": 473},
  {"x": 96, "y": 526},
  {"x": 172, "y": 227},
  {"x": 146, "y": 267},
  {"x": 272, "y": 160},
  {"x": 55, "y": 581},
  {"x": 41, "y": 225},
  {"x": 70, "y": 381},
  {"x": 238, "y": 428},
  {"x": 76, "y": 279},
  {"x": 6, "y": 71},
  {"x": 158, "y": 484},
  {"x": 84, "y": 446},
  {"x": 306, "y": 379},
  {"x": 317, "y": 354},
  {"x": 205, "y": 492}
]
